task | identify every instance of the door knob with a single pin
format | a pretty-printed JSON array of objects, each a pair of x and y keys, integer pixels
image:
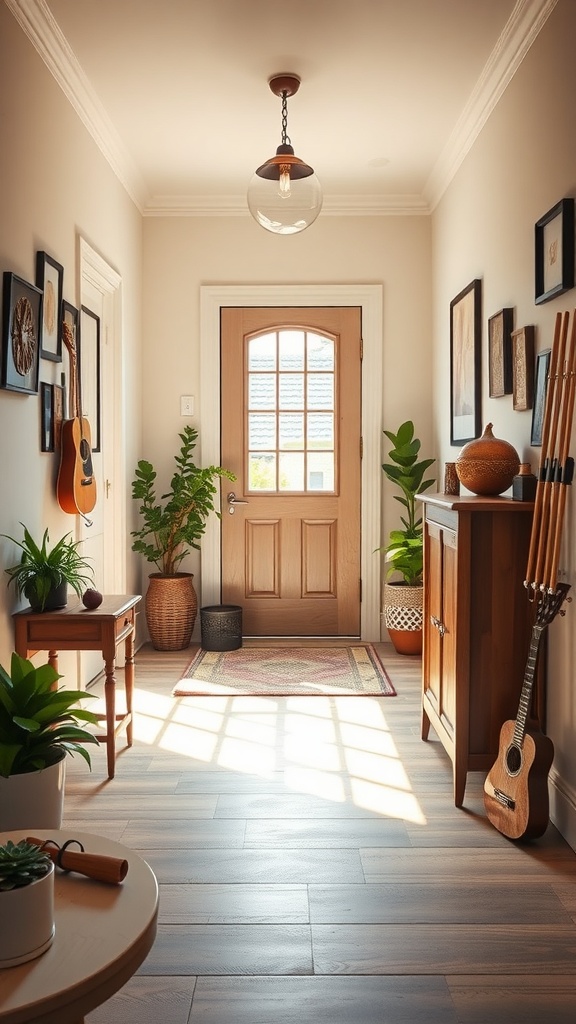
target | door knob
[{"x": 233, "y": 500}]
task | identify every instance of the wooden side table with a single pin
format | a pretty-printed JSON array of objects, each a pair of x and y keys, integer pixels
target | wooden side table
[
  {"x": 103, "y": 933},
  {"x": 76, "y": 628}
]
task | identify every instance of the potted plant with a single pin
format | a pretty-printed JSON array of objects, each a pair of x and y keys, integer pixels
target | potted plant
[
  {"x": 39, "y": 725},
  {"x": 170, "y": 527},
  {"x": 404, "y": 552},
  {"x": 43, "y": 575},
  {"x": 26, "y": 902}
]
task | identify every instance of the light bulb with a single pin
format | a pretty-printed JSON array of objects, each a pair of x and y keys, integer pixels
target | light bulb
[{"x": 284, "y": 182}]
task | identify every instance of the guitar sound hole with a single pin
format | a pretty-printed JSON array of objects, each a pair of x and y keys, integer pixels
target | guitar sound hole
[{"x": 513, "y": 760}]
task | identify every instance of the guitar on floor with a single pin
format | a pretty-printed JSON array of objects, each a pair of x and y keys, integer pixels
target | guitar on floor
[
  {"x": 516, "y": 788},
  {"x": 76, "y": 486}
]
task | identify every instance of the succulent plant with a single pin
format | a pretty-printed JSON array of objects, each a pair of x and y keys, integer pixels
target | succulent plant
[{"x": 21, "y": 864}]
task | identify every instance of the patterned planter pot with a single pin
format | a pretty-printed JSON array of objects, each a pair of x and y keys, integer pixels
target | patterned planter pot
[{"x": 403, "y": 616}]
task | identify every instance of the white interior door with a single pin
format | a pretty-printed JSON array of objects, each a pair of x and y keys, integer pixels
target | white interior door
[{"x": 101, "y": 385}]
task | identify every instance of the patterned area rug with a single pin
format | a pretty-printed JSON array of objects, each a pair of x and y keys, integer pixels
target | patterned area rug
[{"x": 347, "y": 670}]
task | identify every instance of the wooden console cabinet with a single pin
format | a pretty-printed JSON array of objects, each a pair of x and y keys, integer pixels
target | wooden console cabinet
[{"x": 477, "y": 625}]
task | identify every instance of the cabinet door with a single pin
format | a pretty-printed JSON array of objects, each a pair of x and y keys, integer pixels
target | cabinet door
[{"x": 440, "y": 628}]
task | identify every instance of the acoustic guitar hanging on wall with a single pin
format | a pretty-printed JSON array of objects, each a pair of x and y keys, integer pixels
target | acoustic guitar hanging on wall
[{"x": 76, "y": 486}]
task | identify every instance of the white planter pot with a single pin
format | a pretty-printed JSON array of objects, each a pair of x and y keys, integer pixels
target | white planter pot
[
  {"x": 27, "y": 916},
  {"x": 34, "y": 799}
]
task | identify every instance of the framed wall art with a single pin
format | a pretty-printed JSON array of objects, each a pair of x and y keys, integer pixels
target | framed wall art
[
  {"x": 522, "y": 368},
  {"x": 59, "y": 410},
  {"x": 46, "y": 417},
  {"x": 20, "y": 335},
  {"x": 540, "y": 389},
  {"x": 89, "y": 372},
  {"x": 554, "y": 251},
  {"x": 50, "y": 278},
  {"x": 465, "y": 365},
  {"x": 500, "y": 353}
]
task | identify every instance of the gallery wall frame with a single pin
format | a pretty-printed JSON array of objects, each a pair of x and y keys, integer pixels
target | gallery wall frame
[
  {"x": 554, "y": 251},
  {"x": 46, "y": 417},
  {"x": 465, "y": 364},
  {"x": 22, "y": 314},
  {"x": 522, "y": 368},
  {"x": 500, "y": 327},
  {"x": 50, "y": 279},
  {"x": 540, "y": 389},
  {"x": 59, "y": 406},
  {"x": 89, "y": 372}
]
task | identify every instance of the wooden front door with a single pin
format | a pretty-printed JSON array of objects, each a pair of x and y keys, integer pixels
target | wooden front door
[{"x": 291, "y": 390}]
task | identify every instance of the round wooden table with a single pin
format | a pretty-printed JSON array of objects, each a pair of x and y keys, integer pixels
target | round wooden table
[{"x": 103, "y": 933}]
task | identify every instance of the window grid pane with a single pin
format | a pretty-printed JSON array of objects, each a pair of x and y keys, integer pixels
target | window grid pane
[{"x": 291, "y": 451}]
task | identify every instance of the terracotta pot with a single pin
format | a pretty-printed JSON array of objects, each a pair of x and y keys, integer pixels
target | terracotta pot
[
  {"x": 171, "y": 607},
  {"x": 403, "y": 616},
  {"x": 487, "y": 465}
]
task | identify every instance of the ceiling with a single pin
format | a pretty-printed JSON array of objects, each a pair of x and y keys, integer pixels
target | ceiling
[{"x": 176, "y": 94}]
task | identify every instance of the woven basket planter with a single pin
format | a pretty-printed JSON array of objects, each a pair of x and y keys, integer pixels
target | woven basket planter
[
  {"x": 171, "y": 607},
  {"x": 403, "y": 616}
]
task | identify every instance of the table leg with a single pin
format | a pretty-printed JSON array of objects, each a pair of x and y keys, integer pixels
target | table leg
[
  {"x": 53, "y": 659},
  {"x": 129, "y": 681},
  {"x": 110, "y": 698}
]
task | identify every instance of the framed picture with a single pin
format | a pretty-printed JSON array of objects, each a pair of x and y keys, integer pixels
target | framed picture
[
  {"x": 465, "y": 354},
  {"x": 89, "y": 372},
  {"x": 59, "y": 410},
  {"x": 50, "y": 278},
  {"x": 522, "y": 368},
  {"x": 540, "y": 389},
  {"x": 46, "y": 417},
  {"x": 554, "y": 253},
  {"x": 20, "y": 334},
  {"x": 500, "y": 353},
  {"x": 70, "y": 332}
]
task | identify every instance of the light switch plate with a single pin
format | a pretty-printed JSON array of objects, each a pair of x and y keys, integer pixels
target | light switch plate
[{"x": 186, "y": 405}]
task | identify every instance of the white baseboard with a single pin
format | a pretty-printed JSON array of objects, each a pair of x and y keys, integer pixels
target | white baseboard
[{"x": 563, "y": 808}]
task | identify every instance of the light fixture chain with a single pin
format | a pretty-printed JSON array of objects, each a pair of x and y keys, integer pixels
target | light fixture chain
[{"x": 285, "y": 137}]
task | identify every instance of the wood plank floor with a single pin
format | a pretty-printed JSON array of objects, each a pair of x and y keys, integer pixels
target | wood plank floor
[{"x": 313, "y": 868}]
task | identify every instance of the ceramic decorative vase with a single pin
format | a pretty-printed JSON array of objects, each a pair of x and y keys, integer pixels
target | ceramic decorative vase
[{"x": 487, "y": 465}]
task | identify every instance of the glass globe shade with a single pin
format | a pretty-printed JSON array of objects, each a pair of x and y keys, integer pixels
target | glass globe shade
[{"x": 285, "y": 214}]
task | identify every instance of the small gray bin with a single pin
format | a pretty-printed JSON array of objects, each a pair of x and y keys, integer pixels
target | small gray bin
[{"x": 221, "y": 627}]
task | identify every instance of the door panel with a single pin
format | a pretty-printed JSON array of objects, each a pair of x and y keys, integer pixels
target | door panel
[{"x": 291, "y": 433}]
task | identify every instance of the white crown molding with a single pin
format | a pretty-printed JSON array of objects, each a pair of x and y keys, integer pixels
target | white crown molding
[
  {"x": 37, "y": 21},
  {"x": 522, "y": 28},
  {"x": 527, "y": 19},
  {"x": 336, "y": 206}
]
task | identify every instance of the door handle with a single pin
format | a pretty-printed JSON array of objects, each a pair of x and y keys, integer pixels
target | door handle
[{"x": 233, "y": 500}]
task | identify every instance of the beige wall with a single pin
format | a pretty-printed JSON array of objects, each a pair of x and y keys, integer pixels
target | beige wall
[
  {"x": 54, "y": 186},
  {"x": 522, "y": 164},
  {"x": 182, "y": 254}
]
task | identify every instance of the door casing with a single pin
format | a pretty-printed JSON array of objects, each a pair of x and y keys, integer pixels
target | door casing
[{"x": 369, "y": 298}]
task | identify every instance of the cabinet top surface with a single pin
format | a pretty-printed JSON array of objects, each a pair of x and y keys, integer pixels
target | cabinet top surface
[{"x": 476, "y": 502}]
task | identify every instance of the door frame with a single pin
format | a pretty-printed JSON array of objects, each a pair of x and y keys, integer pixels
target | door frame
[{"x": 369, "y": 297}]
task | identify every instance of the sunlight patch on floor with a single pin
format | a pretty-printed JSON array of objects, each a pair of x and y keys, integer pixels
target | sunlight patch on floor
[{"x": 337, "y": 748}]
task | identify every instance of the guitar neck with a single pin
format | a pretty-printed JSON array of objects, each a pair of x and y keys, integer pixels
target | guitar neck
[{"x": 527, "y": 685}]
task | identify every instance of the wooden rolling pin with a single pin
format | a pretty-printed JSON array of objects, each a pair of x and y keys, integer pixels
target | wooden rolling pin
[{"x": 93, "y": 865}]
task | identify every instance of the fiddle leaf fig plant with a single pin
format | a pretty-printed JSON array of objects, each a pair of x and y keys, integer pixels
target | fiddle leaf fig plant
[
  {"x": 176, "y": 522},
  {"x": 405, "y": 549}
]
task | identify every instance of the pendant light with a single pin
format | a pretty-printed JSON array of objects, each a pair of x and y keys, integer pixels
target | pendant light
[{"x": 284, "y": 194}]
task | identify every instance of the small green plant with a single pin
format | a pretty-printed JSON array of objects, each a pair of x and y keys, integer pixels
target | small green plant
[
  {"x": 41, "y": 570},
  {"x": 405, "y": 549},
  {"x": 39, "y": 724},
  {"x": 21, "y": 864},
  {"x": 169, "y": 530}
]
